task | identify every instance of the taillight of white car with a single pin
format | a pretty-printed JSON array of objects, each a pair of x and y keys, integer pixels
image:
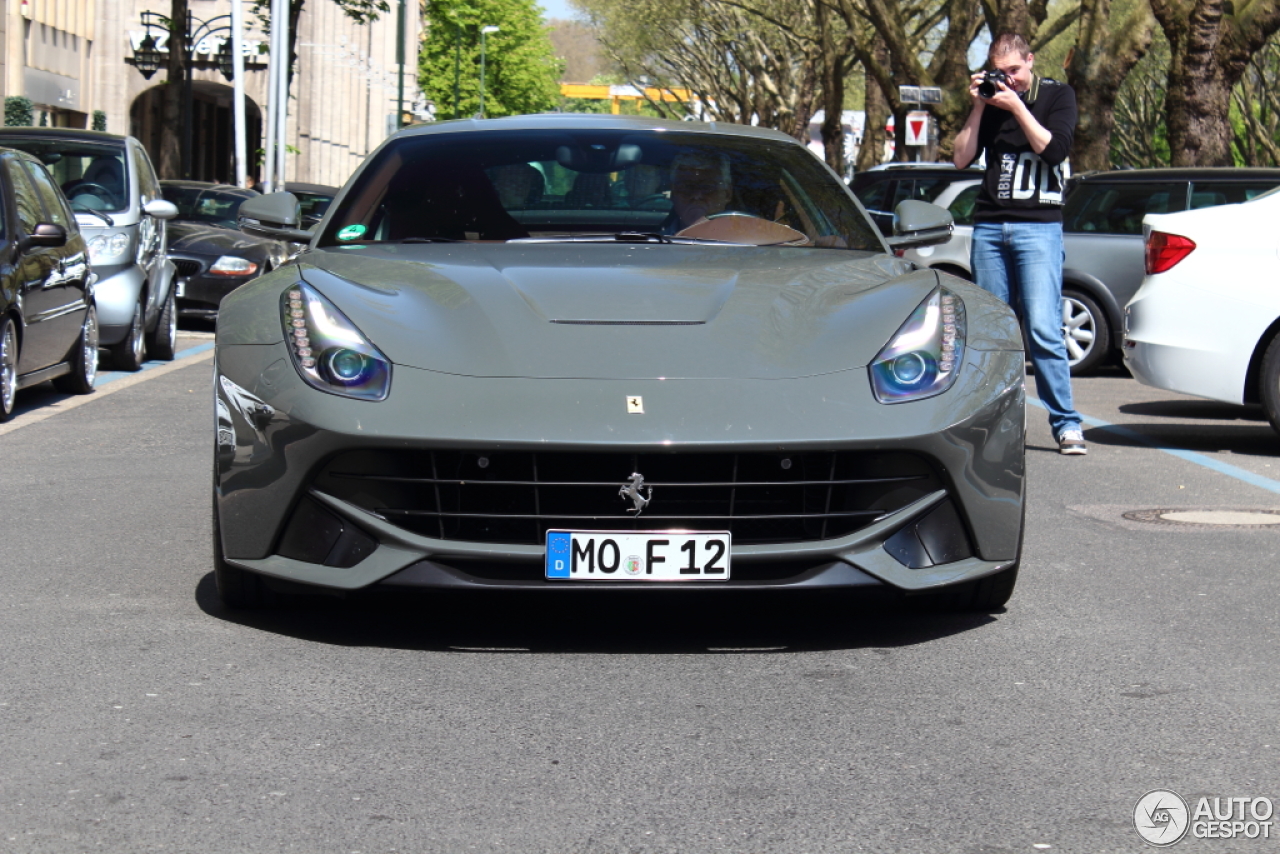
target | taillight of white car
[{"x": 1164, "y": 251}]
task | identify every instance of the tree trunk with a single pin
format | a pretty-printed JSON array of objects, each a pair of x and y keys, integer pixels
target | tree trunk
[
  {"x": 1211, "y": 42},
  {"x": 1101, "y": 60},
  {"x": 871, "y": 151},
  {"x": 172, "y": 109}
]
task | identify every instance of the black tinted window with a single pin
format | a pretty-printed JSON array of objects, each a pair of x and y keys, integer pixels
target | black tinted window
[
  {"x": 1207, "y": 194},
  {"x": 24, "y": 196},
  {"x": 1119, "y": 208},
  {"x": 962, "y": 206},
  {"x": 553, "y": 184},
  {"x": 54, "y": 205}
]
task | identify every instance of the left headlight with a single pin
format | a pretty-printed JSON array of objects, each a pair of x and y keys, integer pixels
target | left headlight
[
  {"x": 230, "y": 265},
  {"x": 106, "y": 248},
  {"x": 925, "y": 355},
  {"x": 327, "y": 349}
]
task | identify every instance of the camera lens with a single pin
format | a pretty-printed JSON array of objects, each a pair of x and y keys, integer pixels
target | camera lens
[{"x": 987, "y": 89}]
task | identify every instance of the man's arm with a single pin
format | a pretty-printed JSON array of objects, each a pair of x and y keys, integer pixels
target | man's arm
[{"x": 965, "y": 148}]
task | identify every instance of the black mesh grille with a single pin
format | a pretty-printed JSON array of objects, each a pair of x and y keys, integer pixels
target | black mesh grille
[
  {"x": 515, "y": 497},
  {"x": 186, "y": 268}
]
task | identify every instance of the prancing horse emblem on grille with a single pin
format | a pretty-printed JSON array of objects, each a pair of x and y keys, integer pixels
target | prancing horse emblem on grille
[{"x": 632, "y": 491}]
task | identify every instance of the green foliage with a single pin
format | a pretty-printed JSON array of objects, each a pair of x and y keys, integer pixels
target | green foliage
[
  {"x": 19, "y": 111},
  {"x": 1140, "y": 135},
  {"x": 520, "y": 70},
  {"x": 99, "y": 120}
]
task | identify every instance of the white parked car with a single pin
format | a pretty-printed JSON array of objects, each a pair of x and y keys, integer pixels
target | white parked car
[{"x": 1206, "y": 320}]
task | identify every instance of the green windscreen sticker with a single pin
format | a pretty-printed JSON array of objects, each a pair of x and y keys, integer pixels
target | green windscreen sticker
[{"x": 351, "y": 232}]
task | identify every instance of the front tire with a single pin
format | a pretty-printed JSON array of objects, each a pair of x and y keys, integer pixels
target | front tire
[
  {"x": 1270, "y": 391},
  {"x": 238, "y": 589},
  {"x": 1085, "y": 331},
  {"x": 162, "y": 344},
  {"x": 129, "y": 354},
  {"x": 8, "y": 368},
  {"x": 84, "y": 361}
]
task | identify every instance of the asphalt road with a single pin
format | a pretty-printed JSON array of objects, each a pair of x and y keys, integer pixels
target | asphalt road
[{"x": 138, "y": 716}]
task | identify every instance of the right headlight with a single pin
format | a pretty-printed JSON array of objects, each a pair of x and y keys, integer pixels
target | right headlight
[
  {"x": 327, "y": 349},
  {"x": 925, "y": 354}
]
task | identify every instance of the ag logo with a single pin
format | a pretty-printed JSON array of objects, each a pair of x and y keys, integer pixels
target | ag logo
[{"x": 1161, "y": 817}]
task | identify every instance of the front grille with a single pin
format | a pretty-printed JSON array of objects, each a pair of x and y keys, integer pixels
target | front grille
[
  {"x": 186, "y": 269},
  {"x": 515, "y": 497}
]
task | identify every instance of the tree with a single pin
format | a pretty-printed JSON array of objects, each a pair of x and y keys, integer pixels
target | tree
[
  {"x": 578, "y": 48},
  {"x": 1140, "y": 135},
  {"x": 742, "y": 67},
  {"x": 521, "y": 69},
  {"x": 1256, "y": 109},
  {"x": 1103, "y": 57},
  {"x": 1211, "y": 43}
]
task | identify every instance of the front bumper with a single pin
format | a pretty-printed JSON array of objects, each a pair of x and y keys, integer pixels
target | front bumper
[
  {"x": 115, "y": 295},
  {"x": 277, "y": 437},
  {"x": 200, "y": 292}
]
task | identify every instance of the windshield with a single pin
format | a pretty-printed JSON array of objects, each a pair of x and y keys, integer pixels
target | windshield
[
  {"x": 214, "y": 206},
  {"x": 93, "y": 176},
  {"x": 592, "y": 184}
]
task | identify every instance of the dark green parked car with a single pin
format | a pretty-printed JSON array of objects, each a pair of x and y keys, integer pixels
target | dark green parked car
[{"x": 563, "y": 352}]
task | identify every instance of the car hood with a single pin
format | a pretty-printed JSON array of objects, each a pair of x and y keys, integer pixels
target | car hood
[
  {"x": 204, "y": 239},
  {"x": 608, "y": 311}
]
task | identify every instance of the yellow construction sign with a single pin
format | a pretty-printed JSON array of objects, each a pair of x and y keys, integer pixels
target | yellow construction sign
[{"x": 617, "y": 94}]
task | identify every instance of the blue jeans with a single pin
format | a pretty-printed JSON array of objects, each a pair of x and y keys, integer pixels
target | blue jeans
[{"x": 1021, "y": 263}]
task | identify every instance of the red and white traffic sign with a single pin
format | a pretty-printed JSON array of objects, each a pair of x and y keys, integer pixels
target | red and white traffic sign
[{"x": 917, "y": 128}]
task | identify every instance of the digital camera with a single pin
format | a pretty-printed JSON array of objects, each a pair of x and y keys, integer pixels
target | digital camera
[{"x": 987, "y": 86}]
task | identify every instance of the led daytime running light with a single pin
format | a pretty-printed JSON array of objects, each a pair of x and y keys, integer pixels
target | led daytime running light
[
  {"x": 924, "y": 356},
  {"x": 329, "y": 352}
]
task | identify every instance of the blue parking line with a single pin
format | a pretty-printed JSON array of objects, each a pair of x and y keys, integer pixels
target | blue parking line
[
  {"x": 105, "y": 377},
  {"x": 1190, "y": 456}
]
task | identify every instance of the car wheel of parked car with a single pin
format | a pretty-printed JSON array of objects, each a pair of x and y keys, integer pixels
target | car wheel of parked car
[
  {"x": 162, "y": 344},
  {"x": 84, "y": 359},
  {"x": 1086, "y": 332},
  {"x": 1271, "y": 382},
  {"x": 8, "y": 368},
  {"x": 129, "y": 354},
  {"x": 238, "y": 588}
]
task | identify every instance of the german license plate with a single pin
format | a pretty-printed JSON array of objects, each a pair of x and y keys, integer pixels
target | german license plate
[
  {"x": 638, "y": 555},
  {"x": 181, "y": 290}
]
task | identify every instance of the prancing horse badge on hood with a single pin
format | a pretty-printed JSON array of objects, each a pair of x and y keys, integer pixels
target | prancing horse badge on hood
[{"x": 635, "y": 405}]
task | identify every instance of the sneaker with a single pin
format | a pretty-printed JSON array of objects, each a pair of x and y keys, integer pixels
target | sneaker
[{"x": 1072, "y": 442}]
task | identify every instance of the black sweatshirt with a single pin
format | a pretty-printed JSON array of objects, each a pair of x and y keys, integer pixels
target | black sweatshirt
[{"x": 1020, "y": 185}]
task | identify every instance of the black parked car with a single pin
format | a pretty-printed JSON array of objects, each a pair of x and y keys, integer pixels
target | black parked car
[
  {"x": 48, "y": 324},
  {"x": 212, "y": 256}
]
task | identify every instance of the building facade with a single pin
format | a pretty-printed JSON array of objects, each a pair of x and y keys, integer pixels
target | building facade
[{"x": 73, "y": 58}]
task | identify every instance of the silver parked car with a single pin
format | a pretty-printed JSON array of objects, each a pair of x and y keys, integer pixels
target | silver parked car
[
  {"x": 557, "y": 352},
  {"x": 113, "y": 191}
]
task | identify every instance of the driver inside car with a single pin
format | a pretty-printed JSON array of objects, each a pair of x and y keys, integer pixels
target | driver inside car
[{"x": 701, "y": 185}]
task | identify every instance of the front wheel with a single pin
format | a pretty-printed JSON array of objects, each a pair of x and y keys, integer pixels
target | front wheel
[
  {"x": 162, "y": 344},
  {"x": 1085, "y": 332},
  {"x": 238, "y": 588},
  {"x": 1271, "y": 382},
  {"x": 84, "y": 359},
  {"x": 8, "y": 368},
  {"x": 129, "y": 354}
]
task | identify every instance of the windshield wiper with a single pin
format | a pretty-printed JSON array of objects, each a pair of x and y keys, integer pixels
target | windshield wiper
[
  {"x": 108, "y": 220},
  {"x": 624, "y": 237}
]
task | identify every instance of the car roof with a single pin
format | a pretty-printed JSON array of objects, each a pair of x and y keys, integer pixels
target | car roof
[
  {"x": 590, "y": 121},
  {"x": 63, "y": 133},
  {"x": 1183, "y": 173}
]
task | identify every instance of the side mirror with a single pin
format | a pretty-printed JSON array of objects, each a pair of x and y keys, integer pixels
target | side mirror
[
  {"x": 160, "y": 209},
  {"x": 919, "y": 224},
  {"x": 276, "y": 216},
  {"x": 47, "y": 234}
]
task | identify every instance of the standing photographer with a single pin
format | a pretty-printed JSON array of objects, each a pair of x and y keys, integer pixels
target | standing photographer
[{"x": 1025, "y": 124}]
